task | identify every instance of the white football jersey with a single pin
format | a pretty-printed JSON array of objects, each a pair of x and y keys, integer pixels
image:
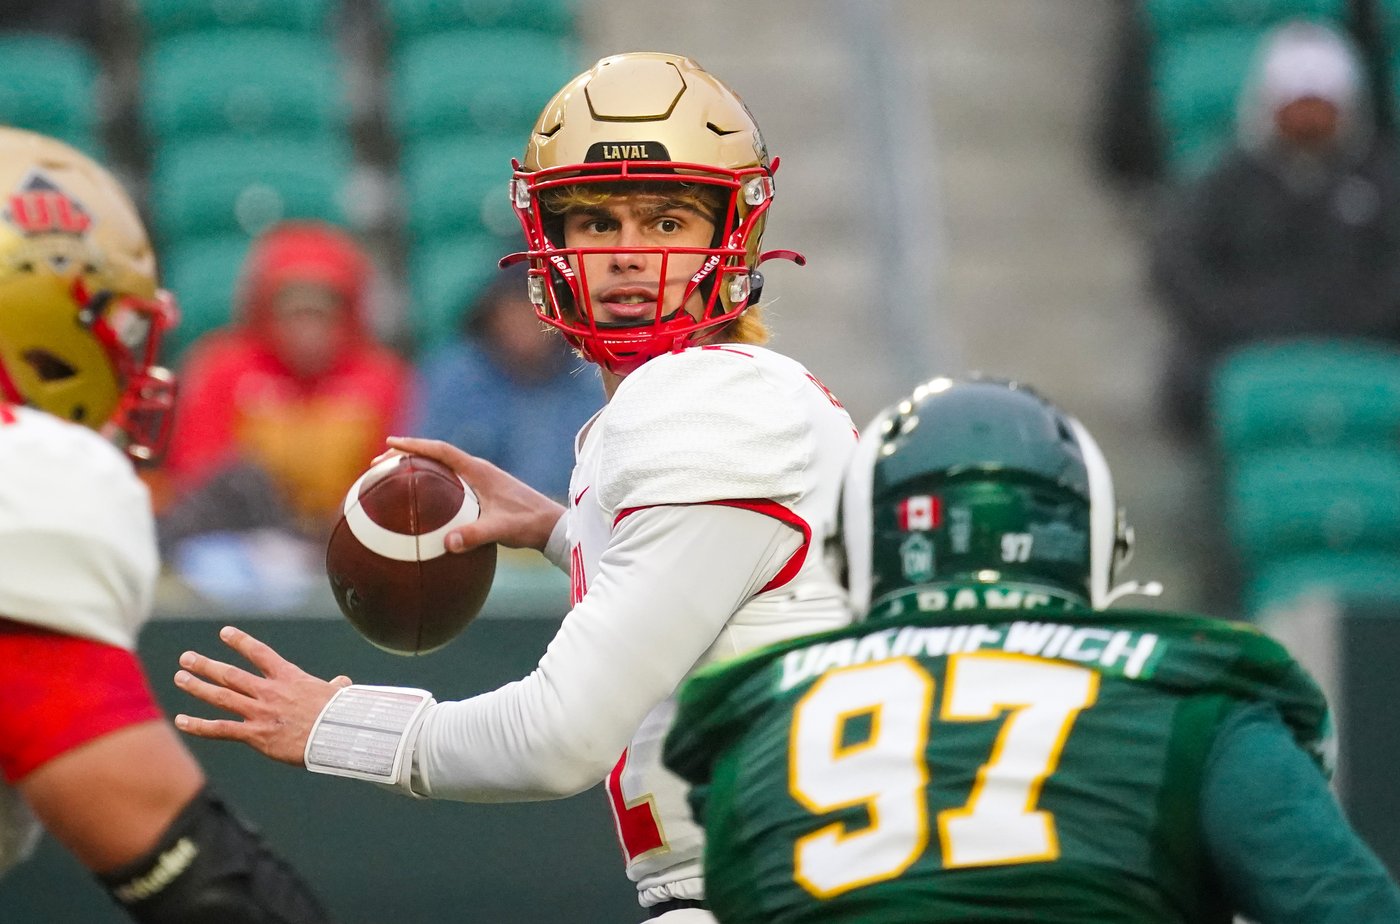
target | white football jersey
[
  {"x": 732, "y": 425},
  {"x": 701, "y": 496},
  {"x": 77, "y": 537}
]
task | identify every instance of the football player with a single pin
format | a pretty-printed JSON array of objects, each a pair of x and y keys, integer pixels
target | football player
[
  {"x": 698, "y": 499},
  {"x": 84, "y": 749},
  {"x": 990, "y": 743}
]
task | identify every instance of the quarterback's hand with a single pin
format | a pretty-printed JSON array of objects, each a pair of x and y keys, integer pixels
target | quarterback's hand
[
  {"x": 512, "y": 513},
  {"x": 277, "y": 709}
]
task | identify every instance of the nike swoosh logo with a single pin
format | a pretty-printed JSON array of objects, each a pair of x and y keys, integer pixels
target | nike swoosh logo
[{"x": 580, "y": 494}]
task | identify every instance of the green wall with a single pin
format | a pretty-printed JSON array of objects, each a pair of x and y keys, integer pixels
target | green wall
[{"x": 376, "y": 857}]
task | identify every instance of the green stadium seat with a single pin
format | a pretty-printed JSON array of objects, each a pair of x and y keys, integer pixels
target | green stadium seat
[
  {"x": 1345, "y": 577},
  {"x": 1387, "y": 20},
  {"x": 160, "y": 19},
  {"x": 1170, "y": 18},
  {"x": 408, "y": 19},
  {"x": 1310, "y": 392},
  {"x": 49, "y": 84},
  {"x": 1196, "y": 83},
  {"x": 222, "y": 186},
  {"x": 1290, "y": 502},
  {"x": 485, "y": 80},
  {"x": 445, "y": 276},
  {"x": 1195, "y": 150},
  {"x": 242, "y": 81},
  {"x": 458, "y": 186},
  {"x": 203, "y": 274}
]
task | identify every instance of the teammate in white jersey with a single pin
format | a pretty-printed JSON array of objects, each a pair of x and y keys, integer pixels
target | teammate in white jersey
[
  {"x": 700, "y": 494},
  {"x": 84, "y": 749}
]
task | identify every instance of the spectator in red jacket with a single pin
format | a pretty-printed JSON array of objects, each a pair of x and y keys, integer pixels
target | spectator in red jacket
[{"x": 283, "y": 409}]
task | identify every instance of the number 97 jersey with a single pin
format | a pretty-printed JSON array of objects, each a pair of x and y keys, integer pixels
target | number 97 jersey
[{"x": 934, "y": 769}]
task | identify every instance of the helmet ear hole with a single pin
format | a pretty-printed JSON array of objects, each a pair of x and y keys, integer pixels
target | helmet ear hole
[{"x": 755, "y": 287}]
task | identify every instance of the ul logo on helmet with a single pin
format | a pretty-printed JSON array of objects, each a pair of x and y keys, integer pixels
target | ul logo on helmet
[{"x": 40, "y": 207}]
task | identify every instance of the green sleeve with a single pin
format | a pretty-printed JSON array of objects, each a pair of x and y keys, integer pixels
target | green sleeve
[{"x": 1276, "y": 836}]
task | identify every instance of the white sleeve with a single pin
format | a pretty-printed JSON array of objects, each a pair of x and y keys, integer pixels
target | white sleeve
[
  {"x": 77, "y": 539},
  {"x": 666, "y": 586},
  {"x": 556, "y": 550}
]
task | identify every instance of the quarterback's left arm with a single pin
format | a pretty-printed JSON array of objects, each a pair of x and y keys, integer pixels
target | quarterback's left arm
[{"x": 1277, "y": 837}]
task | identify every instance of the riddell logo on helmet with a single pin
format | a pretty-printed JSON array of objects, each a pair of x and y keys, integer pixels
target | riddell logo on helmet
[
  {"x": 705, "y": 270},
  {"x": 40, "y": 207},
  {"x": 562, "y": 266}
]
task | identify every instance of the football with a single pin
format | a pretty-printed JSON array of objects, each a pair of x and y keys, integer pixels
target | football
[{"x": 388, "y": 563}]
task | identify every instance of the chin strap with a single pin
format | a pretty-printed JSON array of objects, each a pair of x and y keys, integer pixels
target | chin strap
[{"x": 1149, "y": 589}]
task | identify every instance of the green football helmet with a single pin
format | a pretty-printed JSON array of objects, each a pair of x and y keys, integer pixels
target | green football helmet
[{"x": 979, "y": 492}]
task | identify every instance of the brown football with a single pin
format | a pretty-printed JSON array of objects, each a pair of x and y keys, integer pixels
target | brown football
[{"x": 388, "y": 564}]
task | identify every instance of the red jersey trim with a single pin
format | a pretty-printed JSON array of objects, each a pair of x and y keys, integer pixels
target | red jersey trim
[
  {"x": 768, "y": 508},
  {"x": 60, "y": 692},
  {"x": 9, "y": 391}
]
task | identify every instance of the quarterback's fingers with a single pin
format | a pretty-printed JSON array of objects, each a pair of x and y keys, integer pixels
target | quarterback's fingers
[
  {"x": 456, "y": 459},
  {"x": 260, "y": 654},
  {"x": 466, "y": 538},
  {"x": 214, "y": 694},
  {"x": 218, "y": 672},
  {"x": 220, "y": 729},
  {"x": 386, "y": 454}
]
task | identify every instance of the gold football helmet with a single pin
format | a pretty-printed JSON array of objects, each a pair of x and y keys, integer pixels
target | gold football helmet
[
  {"x": 81, "y": 316},
  {"x": 651, "y": 119}
]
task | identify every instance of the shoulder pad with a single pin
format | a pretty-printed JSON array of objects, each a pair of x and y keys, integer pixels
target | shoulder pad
[{"x": 705, "y": 425}]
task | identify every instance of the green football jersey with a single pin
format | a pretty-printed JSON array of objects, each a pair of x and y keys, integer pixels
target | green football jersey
[{"x": 939, "y": 766}]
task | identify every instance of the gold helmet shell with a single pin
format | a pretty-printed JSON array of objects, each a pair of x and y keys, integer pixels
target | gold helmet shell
[
  {"x": 81, "y": 315},
  {"x": 647, "y": 118}
]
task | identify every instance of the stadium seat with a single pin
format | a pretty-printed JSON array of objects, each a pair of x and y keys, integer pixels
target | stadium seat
[
  {"x": 408, "y": 19},
  {"x": 161, "y": 19},
  {"x": 1309, "y": 392},
  {"x": 48, "y": 84},
  {"x": 445, "y": 276},
  {"x": 1171, "y": 18},
  {"x": 1290, "y": 502},
  {"x": 203, "y": 274},
  {"x": 1196, "y": 81},
  {"x": 484, "y": 80},
  {"x": 222, "y": 186},
  {"x": 460, "y": 186},
  {"x": 242, "y": 81}
]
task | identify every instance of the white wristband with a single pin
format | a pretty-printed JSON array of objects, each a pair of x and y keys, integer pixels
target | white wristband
[{"x": 364, "y": 732}]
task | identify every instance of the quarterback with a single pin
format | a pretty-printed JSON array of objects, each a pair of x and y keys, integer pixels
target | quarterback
[
  {"x": 84, "y": 749},
  {"x": 990, "y": 744},
  {"x": 698, "y": 501}
]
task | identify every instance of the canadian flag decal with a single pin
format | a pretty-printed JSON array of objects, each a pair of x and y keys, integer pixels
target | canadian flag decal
[{"x": 922, "y": 511}]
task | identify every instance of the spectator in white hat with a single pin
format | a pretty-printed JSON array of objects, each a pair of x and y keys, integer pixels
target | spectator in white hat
[{"x": 1296, "y": 229}]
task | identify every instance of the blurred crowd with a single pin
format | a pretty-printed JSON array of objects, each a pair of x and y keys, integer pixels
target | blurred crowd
[
  {"x": 283, "y": 408},
  {"x": 1259, "y": 139},
  {"x": 1260, "y": 143},
  {"x": 313, "y": 328}
]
